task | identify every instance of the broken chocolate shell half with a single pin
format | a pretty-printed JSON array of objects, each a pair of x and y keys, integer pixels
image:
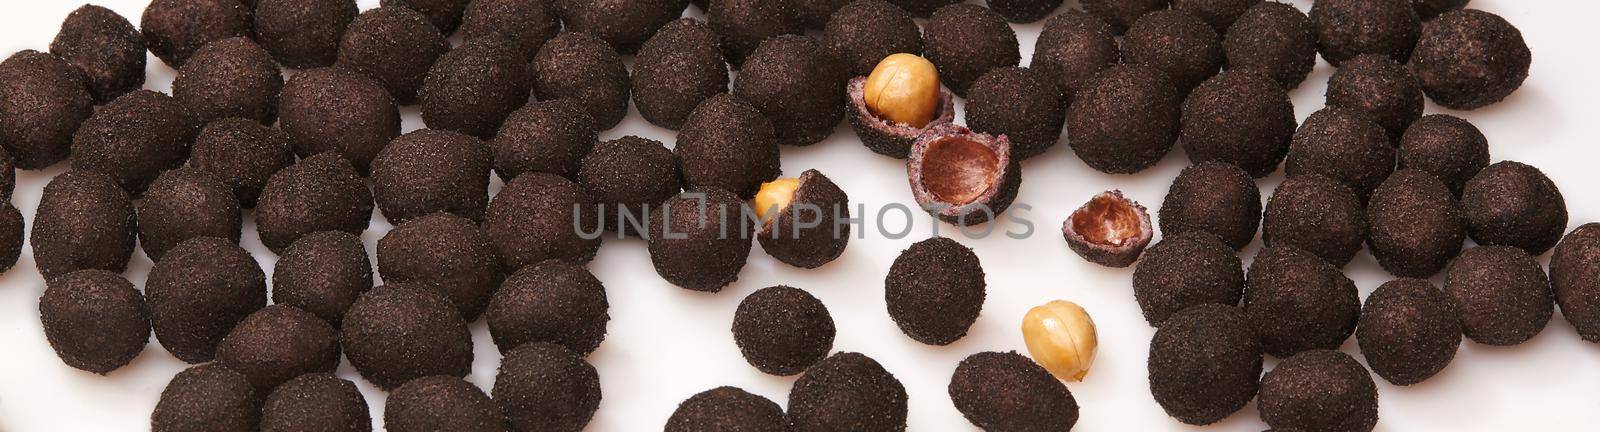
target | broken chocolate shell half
[
  {"x": 887, "y": 137},
  {"x": 804, "y": 219},
  {"x": 1110, "y": 230},
  {"x": 963, "y": 177}
]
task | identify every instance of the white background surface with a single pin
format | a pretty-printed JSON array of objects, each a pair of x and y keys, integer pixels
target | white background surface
[{"x": 666, "y": 344}]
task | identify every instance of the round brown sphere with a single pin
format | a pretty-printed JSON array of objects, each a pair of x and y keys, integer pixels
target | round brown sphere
[
  {"x": 624, "y": 25},
  {"x": 94, "y": 319},
  {"x": 847, "y": 391},
  {"x": 1184, "y": 270},
  {"x": 1347, "y": 28},
  {"x": 628, "y": 177},
  {"x": 1021, "y": 103},
  {"x": 316, "y": 401},
  {"x": 677, "y": 69},
  {"x": 182, "y": 204},
  {"x": 1380, "y": 87},
  {"x": 1122, "y": 14},
  {"x": 207, "y": 397},
  {"x": 444, "y": 14},
  {"x": 553, "y": 301},
  {"x": 320, "y": 193},
  {"x": 1574, "y": 272},
  {"x": 1204, "y": 364},
  {"x": 1501, "y": 295},
  {"x": 1239, "y": 117},
  {"x": 546, "y": 387},
  {"x": 864, "y": 32},
  {"x": 531, "y": 220},
  {"x": 935, "y": 291},
  {"x": 727, "y": 408},
  {"x": 108, "y": 49},
  {"x": 429, "y": 171},
  {"x": 446, "y": 253},
  {"x": 583, "y": 68},
  {"x": 743, "y": 24},
  {"x": 474, "y": 87},
  {"x": 1298, "y": 302},
  {"x": 84, "y": 221},
  {"x": 1408, "y": 331},
  {"x": 1319, "y": 390},
  {"x": 1344, "y": 145},
  {"x": 1072, "y": 48},
  {"x": 1112, "y": 136},
  {"x": 966, "y": 41},
  {"x": 1176, "y": 43},
  {"x": 440, "y": 403},
  {"x": 199, "y": 292},
  {"x": 134, "y": 138},
  {"x": 783, "y": 330},
  {"x": 337, "y": 110},
  {"x": 1316, "y": 215},
  {"x": 796, "y": 83},
  {"x": 1273, "y": 39},
  {"x": 708, "y": 242},
  {"x": 1008, "y": 391},
  {"x": 394, "y": 45},
  {"x": 1514, "y": 204},
  {"x": 550, "y": 137},
  {"x": 728, "y": 144},
  {"x": 1470, "y": 59},
  {"x": 1213, "y": 197},
  {"x": 277, "y": 344},
  {"x": 230, "y": 78},
  {"x": 1414, "y": 226},
  {"x": 322, "y": 273},
  {"x": 43, "y": 101},
  {"x": 397, "y": 333},
  {"x": 526, "y": 23},
  {"x": 1447, "y": 147},
  {"x": 303, "y": 34},
  {"x": 175, "y": 29},
  {"x": 242, "y": 154}
]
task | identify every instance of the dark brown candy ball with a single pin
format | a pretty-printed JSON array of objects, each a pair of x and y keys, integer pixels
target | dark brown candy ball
[
  {"x": 317, "y": 401},
  {"x": 1344, "y": 145},
  {"x": 242, "y": 154},
  {"x": 537, "y": 217},
  {"x": 1213, "y": 197},
  {"x": 1408, "y": 331},
  {"x": 11, "y": 231},
  {"x": 1072, "y": 48},
  {"x": 783, "y": 330},
  {"x": 394, "y": 45},
  {"x": 1176, "y": 43},
  {"x": 1447, "y": 147},
  {"x": 134, "y": 138},
  {"x": 43, "y": 100},
  {"x": 743, "y": 24},
  {"x": 526, "y": 23},
  {"x": 1514, "y": 204},
  {"x": 1220, "y": 14},
  {"x": 1204, "y": 364},
  {"x": 847, "y": 391},
  {"x": 628, "y": 177},
  {"x": 207, "y": 398},
  {"x": 726, "y": 143},
  {"x": 94, "y": 319},
  {"x": 303, "y": 34},
  {"x": 962, "y": 177},
  {"x": 1319, "y": 390},
  {"x": 1501, "y": 294},
  {"x": 966, "y": 41},
  {"x": 584, "y": 68},
  {"x": 807, "y": 231},
  {"x": 624, "y": 25},
  {"x": 182, "y": 204},
  {"x": 1414, "y": 226},
  {"x": 922, "y": 8},
  {"x": 199, "y": 291},
  {"x": 230, "y": 78},
  {"x": 8, "y": 175},
  {"x": 546, "y": 387},
  {"x": 1184, "y": 270},
  {"x": 796, "y": 83},
  {"x": 277, "y": 344},
  {"x": 106, "y": 47},
  {"x": 1024, "y": 11},
  {"x": 175, "y": 29},
  {"x": 815, "y": 13},
  {"x": 550, "y": 137},
  {"x": 446, "y": 253},
  {"x": 1298, "y": 302},
  {"x": 1316, "y": 215},
  {"x": 1347, "y": 28},
  {"x": 1470, "y": 59},
  {"x": 1122, "y": 14},
  {"x": 700, "y": 239},
  {"x": 337, "y": 110},
  {"x": 1021, "y": 103},
  {"x": 474, "y": 87},
  {"x": 430, "y": 171},
  {"x": 1008, "y": 391},
  {"x": 727, "y": 409},
  {"x": 1126, "y": 120},
  {"x": 935, "y": 291},
  {"x": 320, "y": 193},
  {"x": 677, "y": 69},
  {"x": 864, "y": 32},
  {"x": 553, "y": 301},
  {"x": 84, "y": 221},
  {"x": 1380, "y": 87},
  {"x": 440, "y": 403},
  {"x": 322, "y": 273},
  {"x": 444, "y": 14},
  {"x": 1273, "y": 39},
  {"x": 1428, "y": 9},
  {"x": 1239, "y": 117},
  {"x": 1575, "y": 276},
  {"x": 397, "y": 333}
]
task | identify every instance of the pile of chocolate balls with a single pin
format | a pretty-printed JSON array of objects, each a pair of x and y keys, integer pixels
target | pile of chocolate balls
[{"x": 529, "y": 85}]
